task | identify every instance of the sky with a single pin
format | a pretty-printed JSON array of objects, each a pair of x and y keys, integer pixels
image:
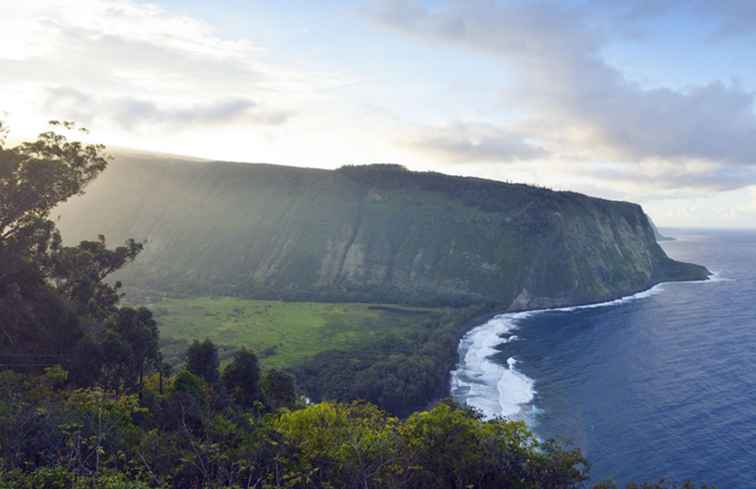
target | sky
[{"x": 640, "y": 100}]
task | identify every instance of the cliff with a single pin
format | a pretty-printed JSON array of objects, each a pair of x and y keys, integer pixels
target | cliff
[
  {"x": 657, "y": 234},
  {"x": 375, "y": 233}
]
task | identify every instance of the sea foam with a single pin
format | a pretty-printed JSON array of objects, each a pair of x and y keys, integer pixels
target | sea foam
[
  {"x": 494, "y": 389},
  {"x": 716, "y": 277},
  {"x": 498, "y": 390}
]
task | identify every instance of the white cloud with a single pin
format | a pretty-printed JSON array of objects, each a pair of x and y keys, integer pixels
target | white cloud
[
  {"x": 580, "y": 105},
  {"x": 126, "y": 69},
  {"x": 141, "y": 76},
  {"x": 66, "y": 103},
  {"x": 474, "y": 143}
]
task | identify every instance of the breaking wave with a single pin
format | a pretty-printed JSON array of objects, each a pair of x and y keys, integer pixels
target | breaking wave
[{"x": 497, "y": 389}]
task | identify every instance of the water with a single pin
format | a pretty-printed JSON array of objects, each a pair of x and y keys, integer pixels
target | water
[{"x": 659, "y": 385}]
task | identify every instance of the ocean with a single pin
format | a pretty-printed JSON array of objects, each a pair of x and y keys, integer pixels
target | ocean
[{"x": 660, "y": 385}]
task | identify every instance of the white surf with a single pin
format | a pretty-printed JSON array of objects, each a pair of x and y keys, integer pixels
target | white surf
[{"x": 500, "y": 390}]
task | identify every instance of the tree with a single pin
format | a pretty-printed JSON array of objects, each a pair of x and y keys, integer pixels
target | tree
[
  {"x": 345, "y": 445},
  {"x": 51, "y": 296},
  {"x": 278, "y": 389},
  {"x": 242, "y": 378},
  {"x": 35, "y": 177},
  {"x": 188, "y": 404},
  {"x": 86, "y": 362},
  {"x": 190, "y": 384},
  {"x": 131, "y": 346},
  {"x": 78, "y": 273},
  {"x": 202, "y": 360}
]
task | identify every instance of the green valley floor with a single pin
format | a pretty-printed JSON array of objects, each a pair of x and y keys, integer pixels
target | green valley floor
[{"x": 283, "y": 334}]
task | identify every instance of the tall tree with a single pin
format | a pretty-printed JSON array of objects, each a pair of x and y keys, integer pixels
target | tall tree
[
  {"x": 79, "y": 272},
  {"x": 202, "y": 360},
  {"x": 52, "y": 297},
  {"x": 131, "y": 346},
  {"x": 278, "y": 388},
  {"x": 38, "y": 175},
  {"x": 242, "y": 378},
  {"x": 50, "y": 292}
]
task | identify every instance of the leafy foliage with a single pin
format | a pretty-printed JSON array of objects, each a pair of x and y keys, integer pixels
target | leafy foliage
[
  {"x": 54, "y": 300},
  {"x": 278, "y": 388},
  {"x": 242, "y": 378},
  {"x": 396, "y": 357},
  {"x": 202, "y": 360},
  {"x": 77, "y": 438},
  {"x": 400, "y": 374},
  {"x": 38, "y": 175},
  {"x": 79, "y": 273},
  {"x": 131, "y": 347}
]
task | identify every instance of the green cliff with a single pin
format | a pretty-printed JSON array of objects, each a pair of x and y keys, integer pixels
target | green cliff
[{"x": 375, "y": 233}]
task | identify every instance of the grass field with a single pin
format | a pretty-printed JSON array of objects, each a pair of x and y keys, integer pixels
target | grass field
[{"x": 282, "y": 333}]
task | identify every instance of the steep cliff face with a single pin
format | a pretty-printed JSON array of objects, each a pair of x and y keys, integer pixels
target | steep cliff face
[
  {"x": 657, "y": 234},
  {"x": 377, "y": 233}
]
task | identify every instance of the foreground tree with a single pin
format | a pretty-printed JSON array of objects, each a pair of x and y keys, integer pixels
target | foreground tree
[
  {"x": 55, "y": 302},
  {"x": 35, "y": 177},
  {"x": 79, "y": 273}
]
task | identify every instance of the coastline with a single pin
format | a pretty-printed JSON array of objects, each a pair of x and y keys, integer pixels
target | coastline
[
  {"x": 496, "y": 390},
  {"x": 610, "y": 299}
]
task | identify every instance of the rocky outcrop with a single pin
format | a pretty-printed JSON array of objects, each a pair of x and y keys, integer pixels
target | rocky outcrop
[{"x": 376, "y": 233}]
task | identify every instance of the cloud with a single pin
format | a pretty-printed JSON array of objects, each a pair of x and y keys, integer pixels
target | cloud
[
  {"x": 737, "y": 17},
  {"x": 727, "y": 18},
  {"x": 124, "y": 45},
  {"x": 122, "y": 66},
  {"x": 581, "y": 104},
  {"x": 131, "y": 112},
  {"x": 465, "y": 143},
  {"x": 683, "y": 178},
  {"x": 66, "y": 103}
]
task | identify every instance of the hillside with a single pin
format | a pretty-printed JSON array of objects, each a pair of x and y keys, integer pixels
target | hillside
[{"x": 375, "y": 233}]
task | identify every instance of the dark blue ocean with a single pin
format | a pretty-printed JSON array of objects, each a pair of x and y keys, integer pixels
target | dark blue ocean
[{"x": 662, "y": 385}]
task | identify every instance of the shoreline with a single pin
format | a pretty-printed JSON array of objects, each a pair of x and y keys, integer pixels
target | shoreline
[
  {"x": 485, "y": 383},
  {"x": 609, "y": 300}
]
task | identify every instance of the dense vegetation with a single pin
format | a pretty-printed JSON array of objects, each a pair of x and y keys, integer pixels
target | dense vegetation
[
  {"x": 55, "y": 305},
  {"x": 398, "y": 358},
  {"x": 230, "y": 433},
  {"x": 399, "y": 373},
  {"x": 86, "y": 400},
  {"x": 197, "y": 435}
]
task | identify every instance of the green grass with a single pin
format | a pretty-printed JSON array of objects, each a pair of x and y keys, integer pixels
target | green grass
[{"x": 282, "y": 333}]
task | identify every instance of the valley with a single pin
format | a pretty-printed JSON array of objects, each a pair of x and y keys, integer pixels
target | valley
[
  {"x": 283, "y": 333},
  {"x": 298, "y": 264}
]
